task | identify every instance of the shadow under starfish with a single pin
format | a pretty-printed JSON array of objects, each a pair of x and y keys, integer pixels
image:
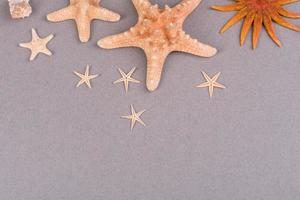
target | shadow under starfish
[
  {"x": 258, "y": 13},
  {"x": 159, "y": 32}
]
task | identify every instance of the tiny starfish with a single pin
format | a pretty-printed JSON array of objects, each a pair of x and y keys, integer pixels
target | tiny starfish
[
  {"x": 86, "y": 77},
  {"x": 37, "y": 45},
  {"x": 259, "y": 12},
  {"x": 211, "y": 83},
  {"x": 135, "y": 117},
  {"x": 83, "y": 12},
  {"x": 126, "y": 78},
  {"x": 159, "y": 32}
]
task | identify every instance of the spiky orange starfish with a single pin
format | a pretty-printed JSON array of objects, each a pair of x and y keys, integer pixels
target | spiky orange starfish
[
  {"x": 258, "y": 13},
  {"x": 159, "y": 32}
]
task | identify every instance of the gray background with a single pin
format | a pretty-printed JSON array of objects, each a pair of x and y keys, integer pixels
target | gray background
[{"x": 62, "y": 143}]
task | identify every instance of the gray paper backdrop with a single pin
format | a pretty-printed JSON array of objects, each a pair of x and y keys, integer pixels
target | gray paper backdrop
[{"x": 62, "y": 143}]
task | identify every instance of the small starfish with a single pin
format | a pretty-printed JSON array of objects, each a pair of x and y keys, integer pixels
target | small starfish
[
  {"x": 83, "y": 12},
  {"x": 159, "y": 32},
  {"x": 211, "y": 83},
  {"x": 86, "y": 77},
  {"x": 126, "y": 78},
  {"x": 37, "y": 45},
  {"x": 135, "y": 117}
]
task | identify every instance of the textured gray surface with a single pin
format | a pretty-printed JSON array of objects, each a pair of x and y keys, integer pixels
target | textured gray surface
[{"x": 61, "y": 143}]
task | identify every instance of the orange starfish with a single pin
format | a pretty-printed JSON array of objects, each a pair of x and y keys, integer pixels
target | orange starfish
[
  {"x": 159, "y": 32},
  {"x": 258, "y": 13},
  {"x": 83, "y": 12}
]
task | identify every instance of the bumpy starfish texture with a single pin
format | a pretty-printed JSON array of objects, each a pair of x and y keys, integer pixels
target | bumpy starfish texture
[
  {"x": 126, "y": 78},
  {"x": 37, "y": 45},
  {"x": 258, "y": 13},
  {"x": 159, "y": 32},
  {"x": 211, "y": 83},
  {"x": 135, "y": 117},
  {"x": 86, "y": 77},
  {"x": 83, "y": 12}
]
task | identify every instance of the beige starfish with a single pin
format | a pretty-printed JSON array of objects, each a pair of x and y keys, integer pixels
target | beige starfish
[
  {"x": 126, "y": 78},
  {"x": 37, "y": 45},
  {"x": 211, "y": 83},
  {"x": 86, "y": 77},
  {"x": 159, "y": 32},
  {"x": 83, "y": 12},
  {"x": 135, "y": 117}
]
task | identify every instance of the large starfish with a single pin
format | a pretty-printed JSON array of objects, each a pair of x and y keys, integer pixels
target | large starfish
[
  {"x": 83, "y": 12},
  {"x": 159, "y": 32}
]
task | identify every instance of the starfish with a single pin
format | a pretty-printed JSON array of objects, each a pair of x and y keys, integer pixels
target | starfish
[
  {"x": 135, "y": 117},
  {"x": 211, "y": 83},
  {"x": 159, "y": 32},
  {"x": 37, "y": 45},
  {"x": 86, "y": 77},
  {"x": 259, "y": 12},
  {"x": 83, "y": 12},
  {"x": 126, "y": 78}
]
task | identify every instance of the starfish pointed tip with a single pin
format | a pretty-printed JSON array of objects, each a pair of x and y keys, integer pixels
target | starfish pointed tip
[
  {"x": 213, "y": 52},
  {"x": 116, "y": 18},
  {"x": 84, "y": 39},
  {"x": 103, "y": 43},
  {"x": 152, "y": 85}
]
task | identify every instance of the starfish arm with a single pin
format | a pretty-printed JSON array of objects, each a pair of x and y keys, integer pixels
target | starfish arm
[
  {"x": 34, "y": 34},
  {"x": 103, "y": 14},
  {"x": 203, "y": 85},
  {"x": 241, "y": 14},
  {"x": 211, "y": 90},
  {"x": 87, "y": 70},
  {"x": 122, "y": 73},
  {"x": 219, "y": 85},
  {"x": 133, "y": 121},
  {"x": 133, "y": 80},
  {"x": 48, "y": 38},
  {"x": 93, "y": 76},
  {"x": 26, "y": 45},
  {"x": 186, "y": 7},
  {"x": 140, "y": 121},
  {"x": 33, "y": 55},
  {"x": 62, "y": 14},
  {"x": 270, "y": 30},
  {"x": 227, "y": 8},
  {"x": 132, "y": 110},
  {"x": 119, "y": 81},
  {"x": 125, "y": 39},
  {"x": 257, "y": 26},
  {"x": 188, "y": 45},
  {"x": 80, "y": 83},
  {"x": 284, "y": 12},
  {"x": 126, "y": 85},
  {"x": 208, "y": 79},
  {"x": 246, "y": 27},
  {"x": 140, "y": 113},
  {"x": 155, "y": 63},
  {"x": 47, "y": 52},
  {"x": 79, "y": 75},
  {"x": 127, "y": 117},
  {"x": 88, "y": 83},
  {"x": 284, "y": 23},
  {"x": 131, "y": 72},
  {"x": 84, "y": 28},
  {"x": 215, "y": 78},
  {"x": 284, "y": 2},
  {"x": 141, "y": 5}
]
